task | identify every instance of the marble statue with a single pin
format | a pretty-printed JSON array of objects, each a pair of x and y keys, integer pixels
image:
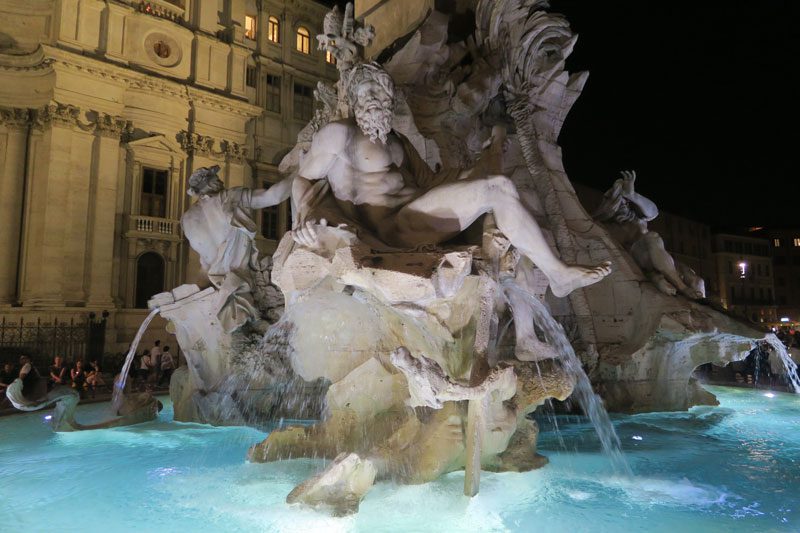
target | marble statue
[
  {"x": 380, "y": 183},
  {"x": 431, "y": 208},
  {"x": 626, "y": 214},
  {"x": 221, "y": 229}
]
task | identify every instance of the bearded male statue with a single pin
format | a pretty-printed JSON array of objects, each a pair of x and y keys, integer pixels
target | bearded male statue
[{"x": 381, "y": 185}]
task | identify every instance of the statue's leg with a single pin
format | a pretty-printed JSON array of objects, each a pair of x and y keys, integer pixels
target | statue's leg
[
  {"x": 528, "y": 347},
  {"x": 446, "y": 210},
  {"x": 663, "y": 262}
]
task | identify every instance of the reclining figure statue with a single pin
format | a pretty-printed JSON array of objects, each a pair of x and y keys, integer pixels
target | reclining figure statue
[
  {"x": 381, "y": 185},
  {"x": 626, "y": 213}
]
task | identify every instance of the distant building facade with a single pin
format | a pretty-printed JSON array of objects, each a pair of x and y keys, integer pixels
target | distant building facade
[
  {"x": 105, "y": 110},
  {"x": 785, "y": 246},
  {"x": 745, "y": 276}
]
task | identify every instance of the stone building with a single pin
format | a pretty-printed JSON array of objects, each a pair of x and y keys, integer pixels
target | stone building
[
  {"x": 785, "y": 246},
  {"x": 745, "y": 276},
  {"x": 105, "y": 110}
]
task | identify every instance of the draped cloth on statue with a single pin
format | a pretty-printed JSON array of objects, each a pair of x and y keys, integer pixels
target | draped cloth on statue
[{"x": 221, "y": 228}]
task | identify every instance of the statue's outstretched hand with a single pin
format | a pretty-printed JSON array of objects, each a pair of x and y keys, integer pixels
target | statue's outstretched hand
[{"x": 628, "y": 180}]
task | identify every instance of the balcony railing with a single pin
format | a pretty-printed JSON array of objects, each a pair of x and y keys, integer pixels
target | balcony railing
[{"x": 154, "y": 227}]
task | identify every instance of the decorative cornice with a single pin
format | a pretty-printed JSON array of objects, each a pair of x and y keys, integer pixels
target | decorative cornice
[
  {"x": 205, "y": 146},
  {"x": 60, "y": 114},
  {"x": 14, "y": 117},
  {"x": 112, "y": 126},
  {"x": 70, "y": 115}
]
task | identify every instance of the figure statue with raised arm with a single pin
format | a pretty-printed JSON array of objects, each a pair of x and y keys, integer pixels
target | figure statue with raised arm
[
  {"x": 382, "y": 185},
  {"x": 626, "y": 213},
  {"x": 221, "y": 229}
]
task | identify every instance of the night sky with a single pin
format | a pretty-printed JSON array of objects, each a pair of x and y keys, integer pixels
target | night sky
[{"x": 697, "y": 97}]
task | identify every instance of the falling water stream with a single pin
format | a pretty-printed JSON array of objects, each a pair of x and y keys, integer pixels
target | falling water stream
[
  {"x": 590, "y": 402},
  {"x": 788, "y": 365},
  {"x": 119, "y": 385}
]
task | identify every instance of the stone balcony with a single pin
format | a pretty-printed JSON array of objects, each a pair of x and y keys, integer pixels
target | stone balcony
[{"x": 165, "y": 229}]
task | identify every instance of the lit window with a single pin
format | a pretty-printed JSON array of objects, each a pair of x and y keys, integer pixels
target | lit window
[
  {"x": 797, "y": 241},
  {"x": 274, "y": 30},
  {"x": 776, "y": 243},
  {"x": 250, "y": 76},
  {"x": 303, "y": 102},
  {"x": 329, "y": 58},
  {"x": 250, "y": 27},
  {"x": 272, "y": 102},
  {"x": 303, "y": 40}
]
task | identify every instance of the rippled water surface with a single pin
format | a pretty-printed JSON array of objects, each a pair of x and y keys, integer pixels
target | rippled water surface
[{"x": 735, "y": 467}]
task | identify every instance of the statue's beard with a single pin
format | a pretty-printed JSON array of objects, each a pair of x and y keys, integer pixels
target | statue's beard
[{"x": 374, "y": 121}]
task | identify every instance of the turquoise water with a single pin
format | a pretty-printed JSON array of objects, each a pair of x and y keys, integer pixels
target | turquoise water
[{"x": 735, "y": 467}]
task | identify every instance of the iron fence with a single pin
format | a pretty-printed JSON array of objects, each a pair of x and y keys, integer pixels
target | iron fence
[{"x": 42, "y": 339}]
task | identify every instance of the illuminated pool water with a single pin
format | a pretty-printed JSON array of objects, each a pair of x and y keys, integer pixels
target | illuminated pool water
[{"x": 735, "y": 467}]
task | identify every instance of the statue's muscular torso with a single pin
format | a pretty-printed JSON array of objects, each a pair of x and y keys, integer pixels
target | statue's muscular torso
[{"x": 364, "y": 176}]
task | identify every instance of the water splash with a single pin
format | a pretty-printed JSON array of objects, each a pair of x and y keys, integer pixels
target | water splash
[
  {"x": 583, "y": 393},
  {"x": 786, "y": 359},
  {"x": 119, "y": 385}
]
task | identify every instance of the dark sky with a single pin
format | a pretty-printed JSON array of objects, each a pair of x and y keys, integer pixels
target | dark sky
[{"x": 698, "y": 97}]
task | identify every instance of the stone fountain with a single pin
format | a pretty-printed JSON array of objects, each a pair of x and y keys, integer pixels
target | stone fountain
[{"x": 425, "y": 186}]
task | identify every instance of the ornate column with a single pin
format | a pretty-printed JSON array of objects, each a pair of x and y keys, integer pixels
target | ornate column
[
  {"x": 13, "y": 147},
  {"x": 103, "y": 197}
]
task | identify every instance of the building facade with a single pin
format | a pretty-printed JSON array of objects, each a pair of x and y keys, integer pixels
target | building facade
[
  {"x": 745, "y": 276},
  {"x": 785, "y": 246},
  {"x": 105, "y": 110}
]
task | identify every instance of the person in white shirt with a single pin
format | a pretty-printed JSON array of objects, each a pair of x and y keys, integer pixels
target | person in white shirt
[
  {"x": 155, "y": 358},
  {"x": 145, "y": 365}
]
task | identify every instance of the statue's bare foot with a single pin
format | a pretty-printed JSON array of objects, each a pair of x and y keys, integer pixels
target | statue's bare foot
[
  {"x": 531, "y": 349},
  {"x": 575, "y": 277}
]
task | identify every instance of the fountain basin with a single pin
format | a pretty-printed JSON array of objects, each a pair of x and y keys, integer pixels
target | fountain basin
[{"x": 732, "y": 467}]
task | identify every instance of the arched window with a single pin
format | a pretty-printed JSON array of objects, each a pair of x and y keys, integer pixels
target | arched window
[
  {"x": 329, "y": 57},
  {"x": 303, "y": 40},
  {"x": 274, "y": 30},
  {"x": 149, "y": 278}
]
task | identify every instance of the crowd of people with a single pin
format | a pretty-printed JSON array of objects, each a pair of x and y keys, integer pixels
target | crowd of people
[{"x": 152, "y": 369}]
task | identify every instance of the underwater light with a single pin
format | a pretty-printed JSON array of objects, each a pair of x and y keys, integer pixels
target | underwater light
[
  {"x": 48, "y": 417},
  {"x": 769, "y": 394},
  {"x": 636, "y": 437}
]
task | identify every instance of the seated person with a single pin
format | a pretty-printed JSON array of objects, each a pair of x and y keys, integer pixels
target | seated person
[
  {"x": 7, "y": 376},
  {"x": 58, "y": 373},
  {"x": 78, "y": 375},
  {"x": 94, "y": 376}
]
